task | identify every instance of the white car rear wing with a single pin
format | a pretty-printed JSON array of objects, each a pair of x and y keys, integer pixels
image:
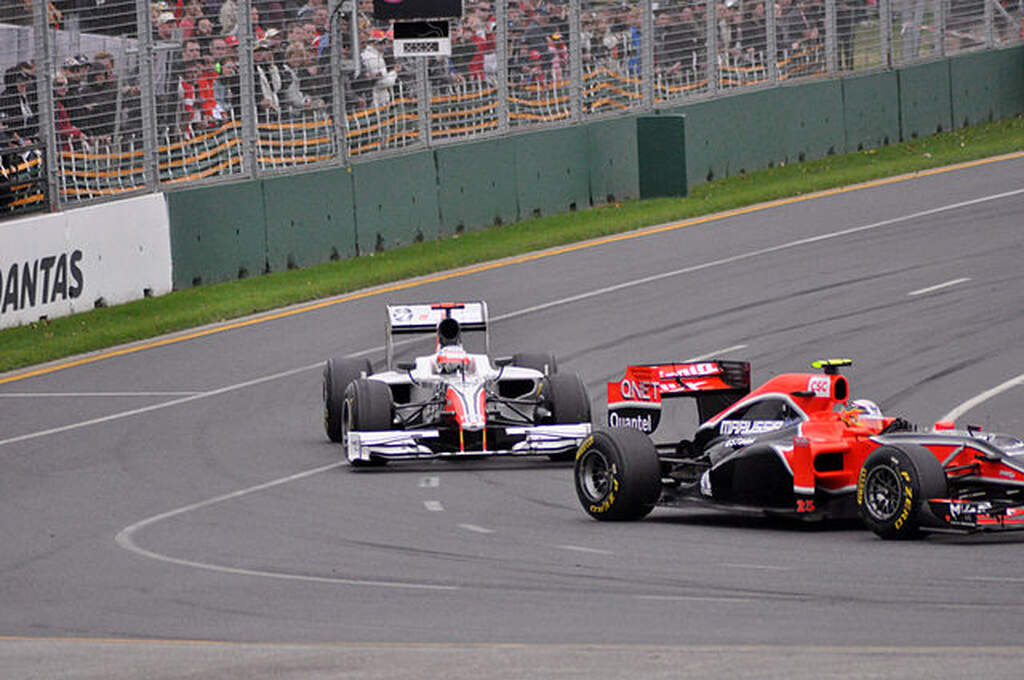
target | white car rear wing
[{"x": 424, "y": 318}]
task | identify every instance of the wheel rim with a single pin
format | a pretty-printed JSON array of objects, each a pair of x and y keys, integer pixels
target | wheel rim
[
  {"x": 595, "y": 475},
  {"x": 883, "y": 492}
]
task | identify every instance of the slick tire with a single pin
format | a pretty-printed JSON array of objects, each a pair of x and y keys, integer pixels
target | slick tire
[
  {"x": 566, "y": 398},
  {"x": 617, "y": 475},
  {"x": 368, "y": 407},
  {"x": 545, "y": 363},
  {"x": 338, "y": 373},
  {"x": 893, "y": 488}
]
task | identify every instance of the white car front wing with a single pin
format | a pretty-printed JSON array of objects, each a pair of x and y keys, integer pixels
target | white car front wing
[{"x": 407, "y": 444}]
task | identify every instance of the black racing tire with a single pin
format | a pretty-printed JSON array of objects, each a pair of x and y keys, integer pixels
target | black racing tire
[
  {"x": 368, "y": 407},
  {"x": 893, "y": 489},
  {"x": 338, "y": 373},
  {"x": 565, "y": 396},
  {"x": 538, "y": 361},
  {"x": 617, "y": 474}
]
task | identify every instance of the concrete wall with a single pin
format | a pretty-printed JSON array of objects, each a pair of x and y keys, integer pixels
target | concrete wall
[{"x": 70, "y": 262}]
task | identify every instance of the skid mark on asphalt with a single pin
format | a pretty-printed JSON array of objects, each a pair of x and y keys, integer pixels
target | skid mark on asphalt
[
  {"x": 767, "y": 567},
  {"x": 697, "y": 598}
]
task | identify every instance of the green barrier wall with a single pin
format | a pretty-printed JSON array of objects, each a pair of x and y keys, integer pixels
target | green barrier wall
[
  {"x": 225, "y": 231},
  {"x": 760, "y": 129},
  {"x": 218, "y": 233},
  {"x": 552, "y": 172},
  {"x": 396, "y": 201},
  {"x": 871, "y": 110},
  {"x": 987, "y": 86},
  {"x": 306, "y": 232},
  {"x": 613, "y": 160},
  {"x": 925, "y": 105},
  {"x": 478, "y": 188}
]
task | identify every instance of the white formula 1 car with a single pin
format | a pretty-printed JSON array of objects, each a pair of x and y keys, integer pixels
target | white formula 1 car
[{"x": 452, "y": 403}]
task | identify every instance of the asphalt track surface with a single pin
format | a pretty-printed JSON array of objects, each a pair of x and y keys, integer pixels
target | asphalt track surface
[{"x": 175, "y": 511}]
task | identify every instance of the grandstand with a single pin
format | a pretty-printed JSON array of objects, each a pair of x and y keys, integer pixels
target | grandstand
[{"x": 108, "y": 99}]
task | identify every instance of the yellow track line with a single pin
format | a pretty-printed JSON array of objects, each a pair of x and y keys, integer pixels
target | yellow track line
[{"x": 498, "y": 264}]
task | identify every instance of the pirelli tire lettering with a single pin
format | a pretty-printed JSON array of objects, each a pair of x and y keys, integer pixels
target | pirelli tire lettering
[
  {"x": 617, "y": 474},
  {"x": 893, "y": 487},
  {"x": 587, "y": 443},
  {"x": 44, "y": 280}
]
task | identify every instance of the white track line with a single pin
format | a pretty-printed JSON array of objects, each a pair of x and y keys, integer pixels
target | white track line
[
  {"x": 547, "y": 305},
  {"x": 716, "y": 353},
  {"x": 940, "y": 286},
  {"x": 29, "y": 395},
  {"x": 125, "y": 539},
  {"x": 433, "y": 506},
  {"x": 155, "y": 407},
  {"x": 580, "y": 548},
  {"x": 983, "y": 397},
  {"x": 476, "y": 529},
  {"x": 762, "y": 251}
]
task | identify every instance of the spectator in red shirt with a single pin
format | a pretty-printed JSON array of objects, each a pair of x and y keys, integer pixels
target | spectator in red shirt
[
  {"x": 188, "y": 105},
  {"x": 66, "y": 131}
]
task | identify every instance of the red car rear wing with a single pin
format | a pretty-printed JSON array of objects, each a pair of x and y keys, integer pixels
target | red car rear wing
[{"x": 635, "y": 399}]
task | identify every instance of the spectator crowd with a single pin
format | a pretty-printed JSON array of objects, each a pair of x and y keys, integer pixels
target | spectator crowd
[{"x": 196, "y": 63}]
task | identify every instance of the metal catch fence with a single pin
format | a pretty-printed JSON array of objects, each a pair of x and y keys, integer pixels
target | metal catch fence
[{"x": 106, "y": 99}]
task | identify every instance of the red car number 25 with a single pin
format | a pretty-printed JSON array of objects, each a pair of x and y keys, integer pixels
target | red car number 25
[{"x": 804, "y": 505}]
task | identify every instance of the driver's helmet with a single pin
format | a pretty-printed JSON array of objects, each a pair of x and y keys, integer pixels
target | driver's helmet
[
  {"x": 452, "y": 358},
  {"x": 866, "y": 408}
]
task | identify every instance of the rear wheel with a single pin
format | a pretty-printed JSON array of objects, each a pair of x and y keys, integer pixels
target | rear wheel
[
  {"x": 566, "y": 397},
  {"x": 893, "y": 488},
  {"x": 368, "y": 407},
  {"x": 538, "y": 361},
  {"x": 618, "y": 475},
  {"x": 338, "y": 373}
]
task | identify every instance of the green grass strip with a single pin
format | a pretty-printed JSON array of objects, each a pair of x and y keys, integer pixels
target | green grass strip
[{"x": 66, "y": 336}]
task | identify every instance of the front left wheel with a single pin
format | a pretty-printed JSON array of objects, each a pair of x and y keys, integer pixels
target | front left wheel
[
  {"x": 565, "y": 396},
  {"x": 338, "y": 373},
  {"x": 893, "y": 489},
  {"x": 538, "y": 361},
  {"x": 618, "y": 475},
  {"x": 368, "y": 408}
]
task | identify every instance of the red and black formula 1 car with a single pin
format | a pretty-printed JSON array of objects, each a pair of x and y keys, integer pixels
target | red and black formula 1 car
[{"x": 797, "y": 445}]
